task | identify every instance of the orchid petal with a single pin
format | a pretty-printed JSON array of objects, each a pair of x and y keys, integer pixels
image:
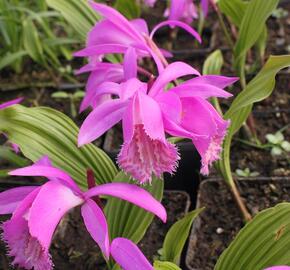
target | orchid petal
[
  {"x": 281, "y": 267},
  {"x": 111, "y": 34},
  {"x": 49, "y": 172},
  {"x": 130, "y": 87},
  {"x": 141, "y": 26},
  {"x": 10, "y": 199},
  {"x": 128, "y": 256},
  {"x": 115, "y": 17},
  {"x": 101, "y": 49},
  {"x": 170, "y": 73},
  {"x": 182, "y": 25},
  {"x": 130, "y": 64},
  {"x": 170, "y": 105},
  {"x": 152, "y": 122},
  {"x": 199, "y": 90},
  {"x": 50, "y": 205},
  {"x": 96, "y": 225},
  {"x": 132, "y": 194},
  {"x": 10, "y": 103},
  {"x": 100, "y": 120},
  {"x": 215, "y": 80}
]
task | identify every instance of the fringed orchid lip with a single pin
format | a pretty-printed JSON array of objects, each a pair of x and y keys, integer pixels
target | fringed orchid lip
[{"x": 38, "y": 210}]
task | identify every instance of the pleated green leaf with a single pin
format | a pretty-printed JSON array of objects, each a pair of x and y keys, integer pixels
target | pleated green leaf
[
  {"x": 176, "y": 237},
  {"x": 251, "y": 28},
  {"x": 78, "y": 14},
  {"x": 213, "y": 63},
  {"x": 127, "y": 220},
  {"x": 263, "y": 242},
  {"x": 158, "y": 265},
  {"x": 31, "y": 41},
  {"x": 234, "y": 9},
  {"x": 44, "y": 131}
]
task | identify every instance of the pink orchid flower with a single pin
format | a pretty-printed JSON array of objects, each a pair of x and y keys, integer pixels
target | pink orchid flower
[
  {"x": 278, "y": 268},
  {"x": 147, "y": 114},
  {"x": 185, "y": 10},
  {"x": 119, "y": 34},
  {"x": 100, "y": 72},
  {"x": 38, "y": 210},
  {"x": 128, "y": 255},
  {"x": 7, "y": 104}
]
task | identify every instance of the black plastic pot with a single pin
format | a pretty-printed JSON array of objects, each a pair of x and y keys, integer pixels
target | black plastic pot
[{"x": 221, "y": 220}]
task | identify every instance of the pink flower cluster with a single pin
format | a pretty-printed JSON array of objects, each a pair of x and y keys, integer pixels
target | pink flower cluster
[{"x": 148, "y": 110}]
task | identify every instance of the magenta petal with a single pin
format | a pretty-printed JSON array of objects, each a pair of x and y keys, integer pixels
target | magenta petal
[
  {"x": 170, "y": 105},
  {"x": 140, "y": 25},
  {"x": 49, "y": 172},
  {"x": 115, "y": 17},
  {"x": 130, "y": 64},
  {"x": 132, "y": 194},
  {"x": 182, "y": 25},
  {"x": 152, "y": 122},
  {"x": 281, "y": 267},
  {"x": 100, "y": 120},
  {"x": 10, "y": 199},
  {"x": 26, "y": 249},
  {"x": 215, "y": 80},
  {"x": 199, "y": 90},
  {"x": 50, "y": 205},
  {"x": 170, "y": 73},
  {"x": 10, "y": 103},
  {"x": 101, "y": 49},
  {"x": 128, "y": 255},
  {"x": 96, "y": 225}
]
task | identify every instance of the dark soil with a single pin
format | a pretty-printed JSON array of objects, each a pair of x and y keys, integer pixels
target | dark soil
[
  {"x": 220, "y": 222},
  {"x": 73, "y": 247}
]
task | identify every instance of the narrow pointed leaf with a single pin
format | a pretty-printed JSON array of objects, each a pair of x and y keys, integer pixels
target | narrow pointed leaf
[{"x": 176, "y": 237}]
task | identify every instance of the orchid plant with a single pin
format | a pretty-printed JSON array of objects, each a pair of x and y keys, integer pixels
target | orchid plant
[{"x": 152, "y": 105}]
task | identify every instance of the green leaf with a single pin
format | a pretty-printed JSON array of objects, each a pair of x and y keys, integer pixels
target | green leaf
[
  {"x": 213, "y": 64},
  {"x": 263, "y": 242},
  {"x": 32, "y": 42},
  {"x": 286, "y": 146},
  {"x": 10, "y": 58},
  {"x": 176, "y": 237},
  {"x": 158, "y": 265},
  {"x": 128, "y": 8},
  {"x": 44, "y": 131},
  {"x": 261, "y": 86},
  {"x": 7, "y": 154},
  {"x": 234, "y": 9},
  {"x": 78, "y": 14},
  {"x": 251, "y": 28},
  {"x": 60, "y": 94},
  {"x": 127, "y": 220}
]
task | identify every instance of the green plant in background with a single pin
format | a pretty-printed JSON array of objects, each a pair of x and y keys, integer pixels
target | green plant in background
[
  {"x": 277, "y": 143},
  {"x": 30, "y": 29},
  {"x": 72, "y": 98},
  {"x": 259, "y": 88},
  {"x": 246, "y": 173}
]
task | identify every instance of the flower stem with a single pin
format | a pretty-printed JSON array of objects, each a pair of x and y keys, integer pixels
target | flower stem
[
  {"x": 223, "y": 25},
  {"x": 237, "y": 196}
]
